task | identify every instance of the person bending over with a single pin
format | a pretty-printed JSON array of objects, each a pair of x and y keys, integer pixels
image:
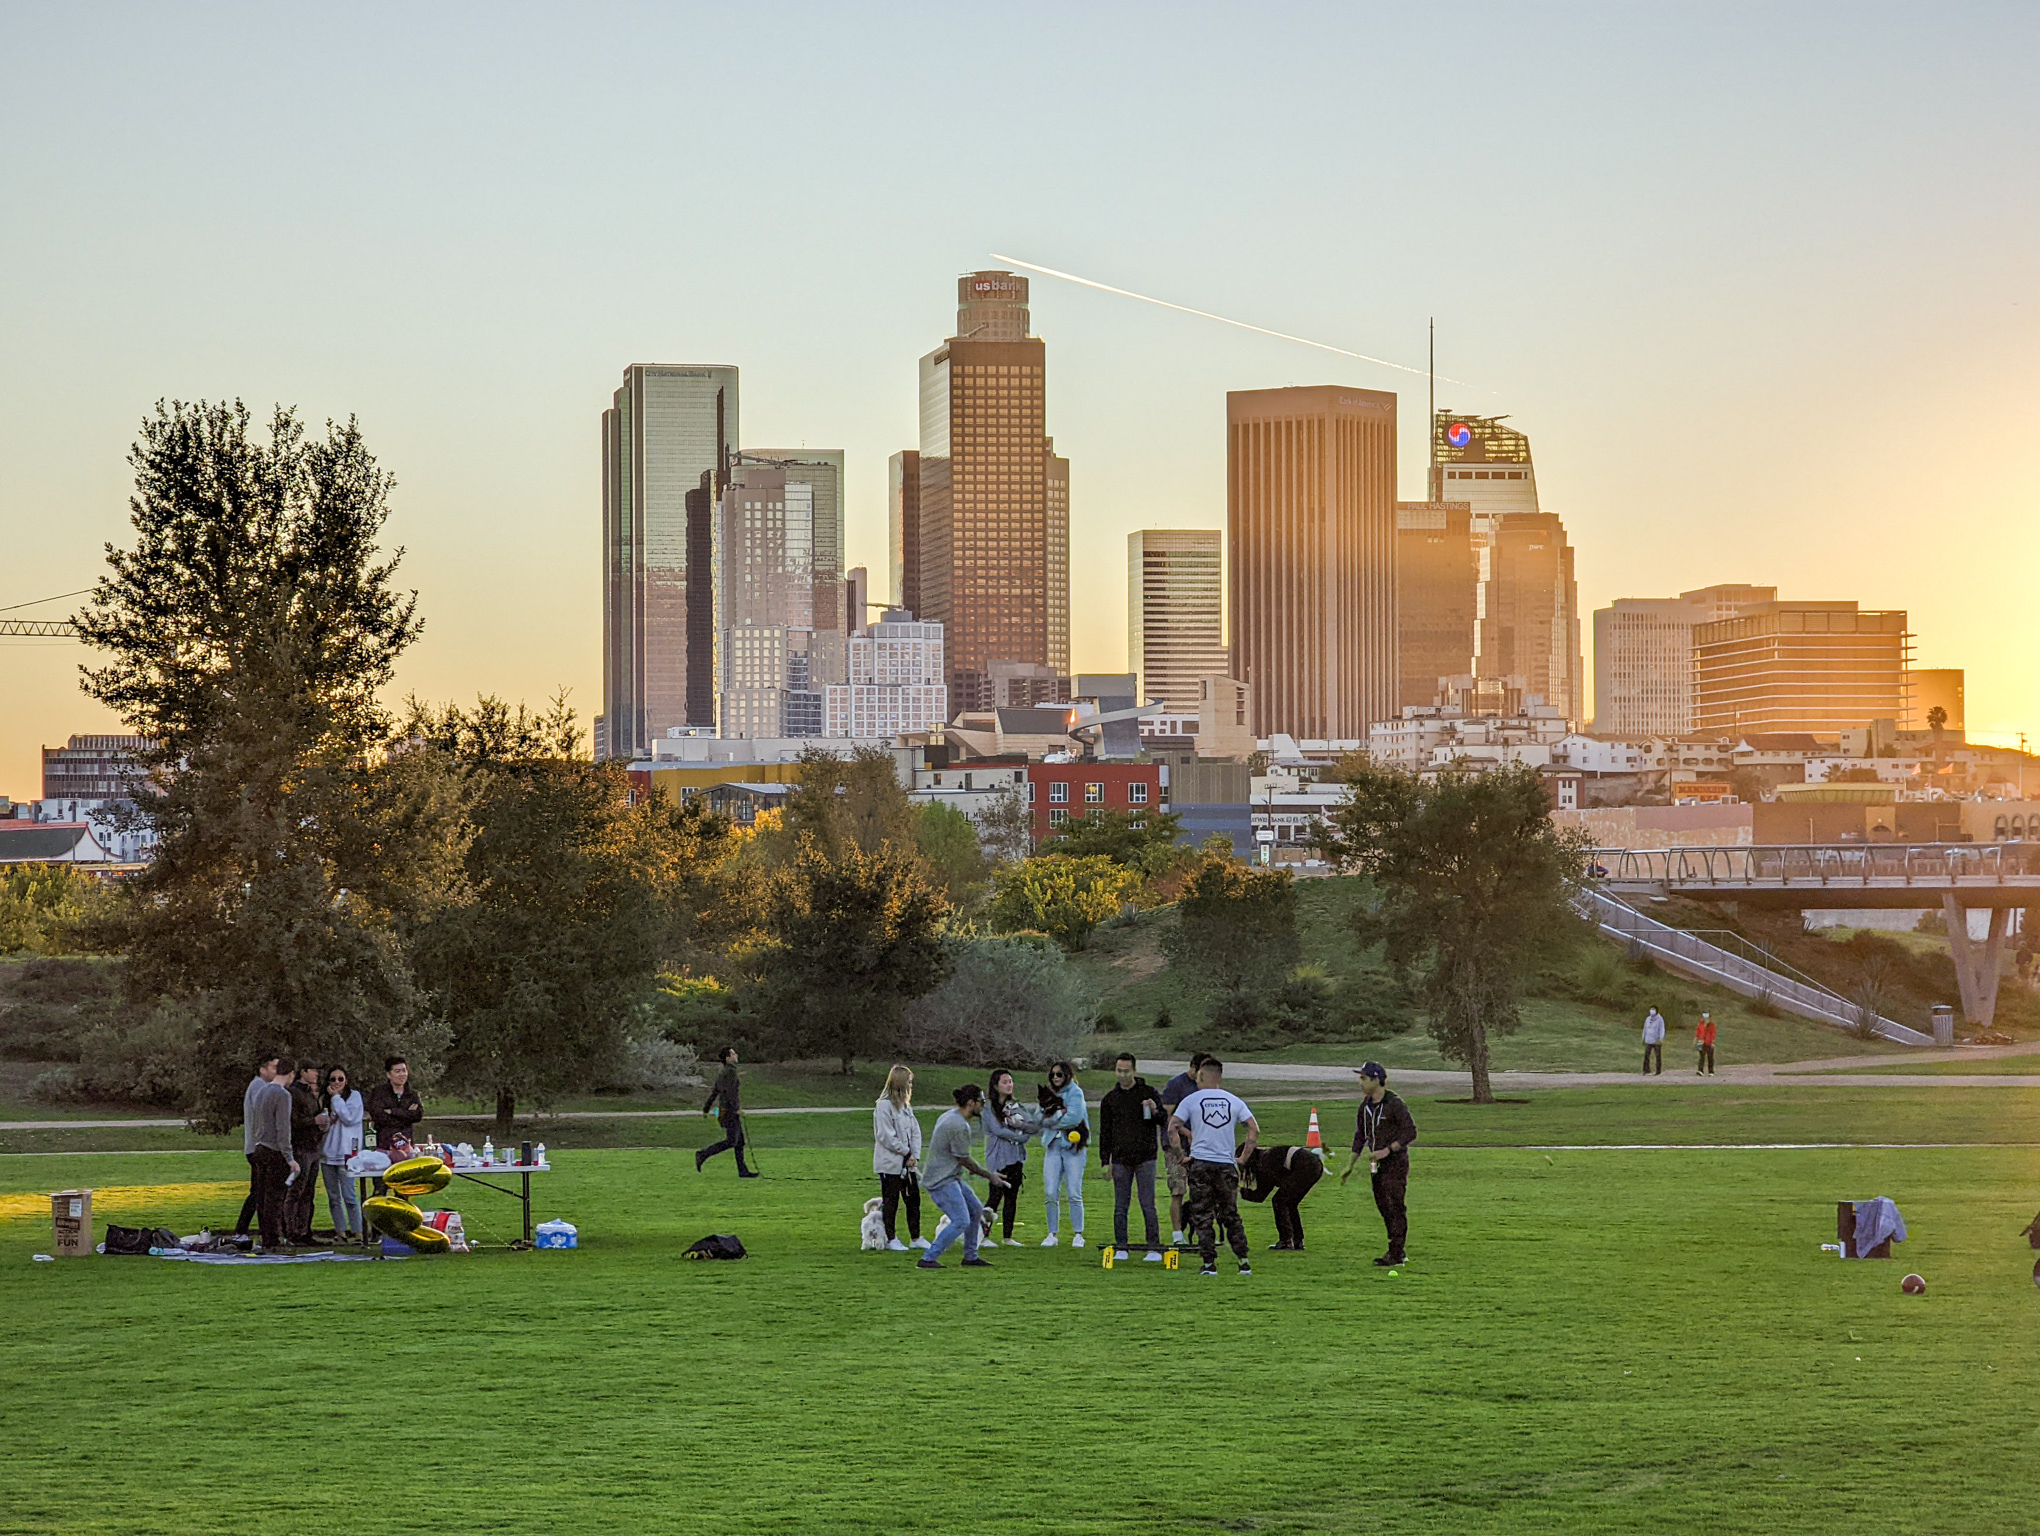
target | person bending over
[
  {"x": 949, "y": 1160},
  {"x": 1287, "y": 1174},
  {"x": 1205, "y": 1123}
]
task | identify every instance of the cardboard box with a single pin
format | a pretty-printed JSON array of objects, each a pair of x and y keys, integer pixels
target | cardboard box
[{"x": 71, "y": 1216}]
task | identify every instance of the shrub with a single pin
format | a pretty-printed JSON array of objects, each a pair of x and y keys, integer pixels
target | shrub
[
  {"x": 652, "y": 1063},
  {"x": 1163, "y": 1020},
  {"x": 44, "y": 908},
  {"x": 1003, "y": 1001},
  {"x": 1062, "y": 895},
  {"x": 148, "y": 1062},
  {"x": 1108, "y": 1023}
]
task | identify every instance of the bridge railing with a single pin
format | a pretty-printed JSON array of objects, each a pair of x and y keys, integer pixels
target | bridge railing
[{"x": 1820, "y": 864}]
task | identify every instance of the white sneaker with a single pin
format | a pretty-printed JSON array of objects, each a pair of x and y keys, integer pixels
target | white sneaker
[
  {"x": 895, "y": 1246},
  {"x": 919, "y": 1242},
  {"x": 1153, "y": 1257},
  {"x": 1014, "y": 1242},
  {"x": 1175, "y": 1239},
  {"x": 1077, "y": 1240},
  {"x": 1051, "y": 1241},
  {"x": 1119, "y": 1255}
]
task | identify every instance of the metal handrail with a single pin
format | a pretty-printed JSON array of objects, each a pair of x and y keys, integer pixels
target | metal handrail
[{"x": 1784, "y": 865}]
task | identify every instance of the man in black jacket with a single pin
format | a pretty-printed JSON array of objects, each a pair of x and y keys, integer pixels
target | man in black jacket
[
  {"x": 727, "y": 1092},
  {"x": 393, "y": 1108},
  {"x": 1131, "y": 1118},
  {"x": 1287, "y": 1173},
  {"x": 1383, "y": 1135},
  {"x": 306, "y": 1136}
]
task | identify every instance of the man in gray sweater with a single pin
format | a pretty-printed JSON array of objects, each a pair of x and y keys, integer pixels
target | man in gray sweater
[
  {"x": 265, "y": 1072},
  {"x": 267, "y": 1133}
]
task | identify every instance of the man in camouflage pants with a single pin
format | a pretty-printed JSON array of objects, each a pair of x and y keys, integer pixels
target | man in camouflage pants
[{"x": 1204, "y": 1123}]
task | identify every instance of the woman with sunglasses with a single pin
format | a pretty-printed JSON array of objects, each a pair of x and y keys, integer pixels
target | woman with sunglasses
[
  {"x": 341, "y": 1114},
  {"x": 1066, "y": 1145}
]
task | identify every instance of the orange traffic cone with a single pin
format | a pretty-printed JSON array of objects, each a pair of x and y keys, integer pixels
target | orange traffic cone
[{"x": 1315, "y": 1142}]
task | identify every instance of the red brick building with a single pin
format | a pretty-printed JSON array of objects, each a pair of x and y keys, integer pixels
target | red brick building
[{"x": 1061, "y": 792}]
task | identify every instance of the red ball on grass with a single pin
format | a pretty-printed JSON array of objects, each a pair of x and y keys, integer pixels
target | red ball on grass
[{"x": 1913, "y": 1285}]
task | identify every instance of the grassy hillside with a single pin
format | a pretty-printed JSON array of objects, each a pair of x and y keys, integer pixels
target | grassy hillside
[{"x": 1585, "y": 1013}]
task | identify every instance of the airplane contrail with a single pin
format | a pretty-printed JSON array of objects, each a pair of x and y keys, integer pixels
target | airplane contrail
[{"x": 1205, "y": 314}]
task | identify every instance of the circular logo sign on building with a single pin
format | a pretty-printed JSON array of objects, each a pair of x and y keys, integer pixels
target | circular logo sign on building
[{"x": 1459, "y": 434}]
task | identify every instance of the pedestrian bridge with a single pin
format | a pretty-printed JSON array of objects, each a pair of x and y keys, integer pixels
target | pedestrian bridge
[{"x": 1803, "y": 875}]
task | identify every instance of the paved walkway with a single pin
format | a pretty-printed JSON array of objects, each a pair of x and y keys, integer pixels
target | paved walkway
[{"x": 1826, "y": 1072}]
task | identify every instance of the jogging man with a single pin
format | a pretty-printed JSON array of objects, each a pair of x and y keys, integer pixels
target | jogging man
[
  {"x": 1131, "y": 1118},
  {"x": 1383, "y": 1133},
  {"x": 1654, "y": 1042},
  {"x": 1204, "y": 1124},
  {"x": 728, "y": 1093},
  {"x": 942, "y": 1178},
  {"x": 1174, "y": 1092}
]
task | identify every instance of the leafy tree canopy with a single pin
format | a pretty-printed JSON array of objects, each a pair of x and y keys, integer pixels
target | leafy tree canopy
[{"x": 1061, "y": 895}]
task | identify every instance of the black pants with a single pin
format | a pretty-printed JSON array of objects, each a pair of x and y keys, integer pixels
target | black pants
[
  {"x": 1006, "y": 1202},
  {"x": 732, "y": 1141},
  {"x": 253, "y": 1203},
  {"x": 1391, "y": 1192},
  {"x": 1707, "y": 1059},
  {"x": 891, "y": 1186},
  {"x": 1126, "y": 1178},
  {"x": 1654, "y": 1053},
  {"x": 271, "y": 1169},
  {"x": 1288, "y": 1201},
  {"x": 297, "y": 1200},
  {"x": 1215, "y": 1203}
]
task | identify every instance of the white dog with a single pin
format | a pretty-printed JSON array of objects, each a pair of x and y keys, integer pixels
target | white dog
[{"x": 871, "y": 1231}]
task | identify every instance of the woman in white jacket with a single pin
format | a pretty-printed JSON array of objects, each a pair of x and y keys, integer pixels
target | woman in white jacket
[
  {"x": 896, "y": 1157},
  {"x": 340, "y": 1114}
]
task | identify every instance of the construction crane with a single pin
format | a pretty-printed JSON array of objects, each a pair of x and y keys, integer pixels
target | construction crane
[{"x": 42, "y": 629}]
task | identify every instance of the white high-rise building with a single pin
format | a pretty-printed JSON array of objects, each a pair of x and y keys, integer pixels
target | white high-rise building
[
  {"x": 771, "y": 603},
  {"x": 896, "y": 681},
  {"x": 1175, "y": 623},
  {"x": 1643, "y": 657}
]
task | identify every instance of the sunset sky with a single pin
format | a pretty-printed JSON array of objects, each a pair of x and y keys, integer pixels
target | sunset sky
[{"x": 1758, "y": 280}]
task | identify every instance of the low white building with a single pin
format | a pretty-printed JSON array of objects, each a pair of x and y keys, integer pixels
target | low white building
[
  {"x": 1428, "y": 737},
  {"x": 897, "y": 683}
]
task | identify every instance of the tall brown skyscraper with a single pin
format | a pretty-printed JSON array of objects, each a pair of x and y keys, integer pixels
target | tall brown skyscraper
[
  {"x": 994, "y": 498},
  {"x": 1437, "y": 595},
  {"x": 1311, "y": 531}
]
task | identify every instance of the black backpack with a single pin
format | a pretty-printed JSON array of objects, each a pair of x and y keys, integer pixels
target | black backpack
[
  {"x": 719, "y": 1245},
  {"x": 138, "y": 1240}
]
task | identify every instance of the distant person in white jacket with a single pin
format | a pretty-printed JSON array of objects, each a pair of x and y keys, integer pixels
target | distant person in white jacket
[
  {"x": 1654, "y": 1043},
  {"x": 896, "y": 1157},
  {"x": 340, "y": 1116}
]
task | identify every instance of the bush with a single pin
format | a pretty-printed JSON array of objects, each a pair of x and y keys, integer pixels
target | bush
[
  {"x": 1061, "y": 895},
  {"x": 1163, "y": 1020},
  {"x": 148, "y": 1062},
  {"x": 1108, "y": 1023},
  {"x": 44, "y": 908},
  {"x": 1311, "y": 1008},
  {"x": 1004, "y": 1002},
  {"x": 649, "y": 1062}
]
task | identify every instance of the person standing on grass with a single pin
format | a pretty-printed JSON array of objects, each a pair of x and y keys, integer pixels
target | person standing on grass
[
  {"x": 306, "y": 1138},
  {"x": 728, "y": 1093},
  {"x": 265, "y": 1074},
  {"x": 1006, "y": 1138},
  {"x": 341, "y": 1117},
  {"x": 949, "y": 1160},
  {"x": 1654, "y": 1042},
  {"x": 1174, "y": 1166},
  {"x": 1703, "y": 1044},
  {"x": 1065, "y": 1142},
  {"x": 1288, "y": 1174},
  {"x": 269, "y": 1120},
  {"x": 393, "y": 1109},
  {"x": 1382, "y": 1134},
  {"x": 1205, "y": 1123},
  {"x": 896, "y": 1157},
  {"x": 1131, "y": 1119}
]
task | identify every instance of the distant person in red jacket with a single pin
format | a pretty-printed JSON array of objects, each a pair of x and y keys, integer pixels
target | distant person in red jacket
[{"x": 1703, "y": 1042}]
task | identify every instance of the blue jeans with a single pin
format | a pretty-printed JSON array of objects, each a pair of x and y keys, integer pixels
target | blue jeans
[
  {"x": 343, "y": 1199},
  {"x": 1062, "y": 1168},
  {"x": 955, "y": 1199}
]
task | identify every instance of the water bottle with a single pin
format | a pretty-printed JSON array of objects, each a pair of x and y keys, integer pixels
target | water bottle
[
  {"x": 538, "y": 1157},
  {"x": 488, "y": 1152}
]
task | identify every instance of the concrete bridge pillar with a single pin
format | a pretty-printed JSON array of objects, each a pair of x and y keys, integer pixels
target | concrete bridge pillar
[{"x": 1976, "y": 966}]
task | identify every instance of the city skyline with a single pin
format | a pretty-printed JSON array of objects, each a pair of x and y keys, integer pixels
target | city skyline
[{"x": 1658, "y": 254}]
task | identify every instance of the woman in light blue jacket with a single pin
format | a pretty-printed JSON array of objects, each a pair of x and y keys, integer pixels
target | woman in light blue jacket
[
  {"x": 1065, "y": 1146},
  {"x": 341, "y": 1116},
  {"x": 1009, "y": 1126}
]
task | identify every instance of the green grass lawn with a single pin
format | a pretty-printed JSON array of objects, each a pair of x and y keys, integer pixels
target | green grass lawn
[
  {"x": 1987, "y": 1066},
  {"x": 1586, "y": 1341}
]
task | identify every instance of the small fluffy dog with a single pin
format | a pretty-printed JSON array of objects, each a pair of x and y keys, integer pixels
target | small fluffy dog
[{"x": 871, "y": 1231}]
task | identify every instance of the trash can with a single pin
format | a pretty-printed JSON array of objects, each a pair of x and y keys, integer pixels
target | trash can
[
  {"x": 71, "y": 1216},
  {"x": 1944, "y": 1024}
]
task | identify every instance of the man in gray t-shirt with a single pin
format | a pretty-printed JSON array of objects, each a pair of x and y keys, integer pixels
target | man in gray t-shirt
[{"x": 943, "y": 1168}]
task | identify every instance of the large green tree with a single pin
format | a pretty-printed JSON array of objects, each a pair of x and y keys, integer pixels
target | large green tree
[
  {"x": 246, "y": 632},
  {"x": 1235, "y": 933},
  {"x": 1062, "y": 896},
  {"x": 1472, "y": 881}
]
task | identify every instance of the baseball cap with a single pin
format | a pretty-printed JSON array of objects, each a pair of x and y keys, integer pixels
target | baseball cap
[{"x": 1373, "y": 1069}]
